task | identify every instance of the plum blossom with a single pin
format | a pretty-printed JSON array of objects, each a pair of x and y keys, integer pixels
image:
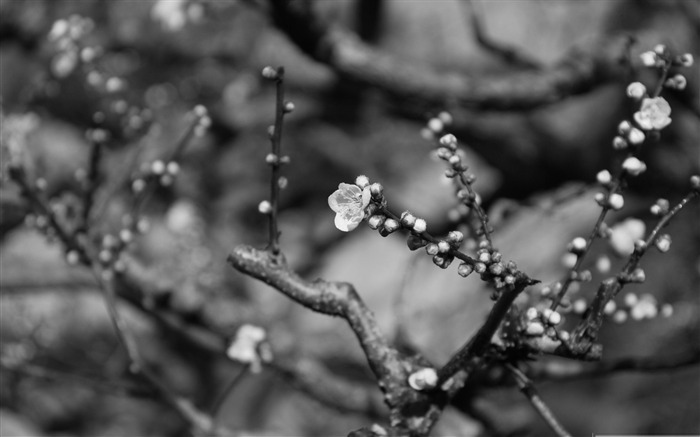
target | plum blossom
[
  {"x": 349, "y": 203},
  {"x": 654, "y": 114}
]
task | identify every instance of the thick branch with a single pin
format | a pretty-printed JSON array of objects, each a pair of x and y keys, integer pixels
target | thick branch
[{"x": 582, "y": 69}]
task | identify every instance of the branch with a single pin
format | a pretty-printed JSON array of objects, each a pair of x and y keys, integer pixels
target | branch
[
  {"x": 558, "y": 371},
  {"x": 529, "y": 390},
  {"x": 411, "y": 411},
  {"x": 581, "y": 70}
]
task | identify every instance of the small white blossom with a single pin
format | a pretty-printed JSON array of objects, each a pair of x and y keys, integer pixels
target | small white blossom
[
  {"x": 419, "y": 226},
  {"x": 624, "y": 234},
  {"x": 349, "y": 203},
  {"x": 686, "y": 60},
  {"x": 248, "y": 347},
  {"x": 654, "y": 114}
]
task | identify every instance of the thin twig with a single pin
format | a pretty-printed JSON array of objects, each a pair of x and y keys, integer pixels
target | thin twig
[
  {"x": 276, "y": 143},
  {"x": 219, "y": 402},
  {"x": 527, "y": 387}
]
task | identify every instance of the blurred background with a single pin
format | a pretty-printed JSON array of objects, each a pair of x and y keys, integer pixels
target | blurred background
[{"x": 64, "y": 372}]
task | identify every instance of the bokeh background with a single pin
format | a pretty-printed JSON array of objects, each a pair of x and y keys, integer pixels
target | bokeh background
[{"x": 64, "y": 372}]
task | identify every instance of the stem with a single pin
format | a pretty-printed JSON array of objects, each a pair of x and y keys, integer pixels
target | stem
[
  {"x": 276, "y": 140},
  {"x": 527, "y": 387}
]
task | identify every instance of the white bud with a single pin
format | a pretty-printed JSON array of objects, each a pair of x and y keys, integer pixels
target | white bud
[
  {"x": 634, "y": 166},
  {"x": 419, "y": 226},
  {"x": 435, "y": 125},
  {"x": 610, "y": 307},
  {"x": 663, "y": 243},
  {"x": 269, "y": 73},
  {"x": 534, "y": 329},
  {"x": 604, "y": 177},
  {"x": 648, "y": 59},
  {"x": 686, "y": 60},
  {"x": 578, "y": 244},
  {"x": 362, "y": 181},
  {"x": 620, "y": 316},
  {"x": 636, "y": 90},
  {"x": 616, "y": 201},
  {"x": 265, "y": 207},
  {"x": 531, "y": 313},
  {"x": 636, "y": 136},
  {"x": 423, "y": 379},
  {"x": 158, "y": 167}
]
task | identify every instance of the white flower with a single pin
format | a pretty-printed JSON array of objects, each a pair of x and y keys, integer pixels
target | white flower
[
  {"x": 349, "y": 203},
  {"x": 250, "y": 347},
  {"x": 654, "y": 114},
  {"x": 624, "y": 235}
]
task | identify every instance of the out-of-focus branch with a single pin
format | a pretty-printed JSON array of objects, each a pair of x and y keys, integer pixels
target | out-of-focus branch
[
  {"x": 581, "y": 70},
  {"x": 527, "y": 387},
  {"x": 567, "y": 370},
  {"x": 509, "y": 54}
]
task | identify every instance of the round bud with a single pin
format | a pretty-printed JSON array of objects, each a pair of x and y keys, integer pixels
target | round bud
[
  {"x": 391, "y": 225},
  {"x": 604, "y": 177},
  {"x": 415, "y": 242},
  {"x": 636, "y": 90},
  {"x": 616, "y": 201},
  {"x": 424, "y": 379},
  {"x": 578, "y": 245},
  {"x": 158, "y": 167},
  {"x": 432, "y": 249},
  {"x": 464, "y": 270},
  {"x": 685, "y": 60},
  {"x": 362, "y": 181},
  {"x": 288, "y": 107},
  {"x": 436, "y": 125},
  {"x": 648, "y": 59},
  {"x": 534, "y": 329},
  {"x": 634, "y": 166},
  {"x": 376, "y": 189},
  {"x": 376, "y": 221},
  {"x": 265, "y": 207},
  {"x": 419, "y": 226},
  {"x": 443, "y": 246},
  {"x": 619, "y": 143},
  {"x": 636, "y": 136},
  {"x": 269, "y": 73},
  {"x": 663, "y": 243},
  {"x": 408, "y": 219}
]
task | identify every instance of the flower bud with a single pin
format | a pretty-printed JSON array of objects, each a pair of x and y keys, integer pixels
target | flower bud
[
  {"x": 604, "y": 177},
  {"x": 269, "y": 73},
  {"x": 634, "y": 166},
  {"x": 265, "y": 207},
  {"x": 616, "y": 201},
  {"x": 419, "y": 226},
  {"x": 376, "y": 221},
  {"x": 424, "y": 379},
  {"x": 636, "y": 136},
  {"x": 663, "y": 243},
  {"x": 636, "y": 90},
  {"x": 415, "y": 242},
  {"x": 464, "y": 270},
  {"x": 534, "y": 329},
  {"x": 362, "y": 181},
  {"x": 408, "y": 219},
  {"x": 685, "y": 60},
  {"x": 648, "y": 59}
]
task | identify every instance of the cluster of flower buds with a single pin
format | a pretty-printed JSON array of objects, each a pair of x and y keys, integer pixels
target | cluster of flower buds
[
  {"x": 636, "y": 308},
  {"x": 66, "y": 34},
  {"x": 173, "y": 15},
  {"x": 159, "y": 170},
  {"x": 436, "y": 126},
  {"x": 543, "y": 323},
  {"x": 111, "y": 248},
  {"x": 203, "y": 120}
]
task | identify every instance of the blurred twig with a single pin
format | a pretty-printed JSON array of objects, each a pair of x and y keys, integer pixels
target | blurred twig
[
  {"x": 581, "y": 70},
  {"x": 529, "y": 390}
]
